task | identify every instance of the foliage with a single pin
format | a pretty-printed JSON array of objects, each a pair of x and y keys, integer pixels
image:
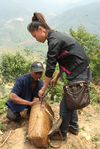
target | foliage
[
  {"x": 2, "y": 104},
  {"x": 96, "y": 138},
  {"x": 91, "y": 44},
  {"x": 27, "y": 52},
  {"x": 57, "y": 91},
  {"x": 2, "y": 127},
  {"x": 12, "y": 65},
  {"x": 87, "y": 40},
  {"x": 95, "y": 64}
]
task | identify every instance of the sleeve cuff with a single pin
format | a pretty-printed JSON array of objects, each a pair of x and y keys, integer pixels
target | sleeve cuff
[{"x": 49, "y": 74}]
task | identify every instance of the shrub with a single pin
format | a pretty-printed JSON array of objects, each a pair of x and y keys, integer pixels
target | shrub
[
  {"x": 3, "y": 101},
  {"x": 12, "y": 65},
  {"x": 91, "y": 44}
]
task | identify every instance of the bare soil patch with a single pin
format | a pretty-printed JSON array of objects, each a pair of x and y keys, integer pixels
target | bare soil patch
[{"x": 88, "y": 138}]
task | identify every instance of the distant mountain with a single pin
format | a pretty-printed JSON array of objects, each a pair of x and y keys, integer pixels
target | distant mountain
[
  {"x": 87, "y": 15},
  {"x": 15, "y": 8},
  {"x": 15, "y": 16}
]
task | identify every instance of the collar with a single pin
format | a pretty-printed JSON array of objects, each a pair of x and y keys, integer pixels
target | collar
[{"x": 49, "y": 33}]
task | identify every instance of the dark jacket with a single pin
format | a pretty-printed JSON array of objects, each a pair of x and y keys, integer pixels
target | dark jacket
[{"x": 69, "y": 53}]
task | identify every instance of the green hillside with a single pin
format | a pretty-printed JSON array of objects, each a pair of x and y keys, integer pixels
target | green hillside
[
  {"x": 88, "y": 15},
  {"x": 14, "y": 34}
]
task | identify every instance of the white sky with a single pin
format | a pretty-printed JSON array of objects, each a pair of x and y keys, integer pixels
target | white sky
[
  {"x": 66, "y": 1},
  {"x": 63, "y": 1},
  {"x": 69, "y": 2}
]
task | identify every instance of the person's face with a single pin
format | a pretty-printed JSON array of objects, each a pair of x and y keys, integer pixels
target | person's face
[
  {"x": 36, "y": 75},
  {"x": 40, "y": 35}
]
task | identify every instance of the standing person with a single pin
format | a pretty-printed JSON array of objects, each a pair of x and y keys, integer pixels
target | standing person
[
  {"x": 72, "y": 59},
  {"x": 25, "y": 92}
]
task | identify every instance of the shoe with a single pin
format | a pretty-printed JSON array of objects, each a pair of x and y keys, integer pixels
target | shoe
[
  {"x": 57, "y": 136},
  {"x": 73, "y": 131}
]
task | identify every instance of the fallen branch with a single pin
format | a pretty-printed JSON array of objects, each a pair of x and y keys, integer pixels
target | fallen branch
[{"x": 5, "y": 139}]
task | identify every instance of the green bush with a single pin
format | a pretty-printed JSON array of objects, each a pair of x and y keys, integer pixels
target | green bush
[
  {"x": 91, "y": 44},
  {"x": 95, "y": 64},
  {"x": 2, "y": 104},
  {"x": 12, "y": 65},
  {"x": 56, "y": 93},
  {"x": 87, "y": 40}
]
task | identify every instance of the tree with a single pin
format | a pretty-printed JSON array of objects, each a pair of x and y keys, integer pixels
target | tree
[
  {"x": 12, "y": 65},
  {"x": 87, "y": 40},
  {"x": 91, "y": 44}
]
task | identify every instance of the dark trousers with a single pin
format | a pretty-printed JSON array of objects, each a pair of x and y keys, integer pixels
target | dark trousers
[
  {"x": 13, "y": 116},
  {"x": 70, "y": 117}
]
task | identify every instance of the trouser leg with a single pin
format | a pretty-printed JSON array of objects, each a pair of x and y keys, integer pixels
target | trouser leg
[
  {"x": 68, "y": 117},
  {"x": 13, "y": 116},
  {"x": 74, "y": 120}
]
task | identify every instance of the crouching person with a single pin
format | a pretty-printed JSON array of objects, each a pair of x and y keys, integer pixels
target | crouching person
[{"x": 25, "y": 92}]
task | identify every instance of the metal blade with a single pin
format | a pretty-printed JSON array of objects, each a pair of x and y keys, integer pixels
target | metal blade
[{"x": 55, "y": 126}]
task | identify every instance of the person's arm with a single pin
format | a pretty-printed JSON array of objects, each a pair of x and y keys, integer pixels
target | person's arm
[
  {"x": 18, "y": 100},
  {"x": 52, "y": 55},
  {"x": 54, "y": 80},
  {"x": 46, "y": 83}
]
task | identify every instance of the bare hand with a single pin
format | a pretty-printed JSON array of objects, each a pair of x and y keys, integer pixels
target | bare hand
[
  {"x": 41, "y": 94},
  {"x": 53, "y": 82},
  {"x": 32, "y": 102}
]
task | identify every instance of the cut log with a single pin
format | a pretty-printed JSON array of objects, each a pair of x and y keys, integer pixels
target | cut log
[{"x": 40, "y": 123}]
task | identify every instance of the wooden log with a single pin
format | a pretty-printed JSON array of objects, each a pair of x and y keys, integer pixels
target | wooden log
[{"x": 40, "y": 123}]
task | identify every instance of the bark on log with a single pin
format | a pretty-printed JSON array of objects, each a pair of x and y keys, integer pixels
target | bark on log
[{"x": 40, "y": 123}]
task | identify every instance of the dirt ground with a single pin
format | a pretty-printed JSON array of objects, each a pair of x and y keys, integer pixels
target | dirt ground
[{"x": 89, "y": 137}]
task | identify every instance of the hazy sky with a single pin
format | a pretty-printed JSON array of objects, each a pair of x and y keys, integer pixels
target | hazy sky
[
  {"x": 58, "y": 1},
  {"x": 18, "y": 13},
  {"x": 48, "y": 7},
  {"x": 67, "y": 1}
]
